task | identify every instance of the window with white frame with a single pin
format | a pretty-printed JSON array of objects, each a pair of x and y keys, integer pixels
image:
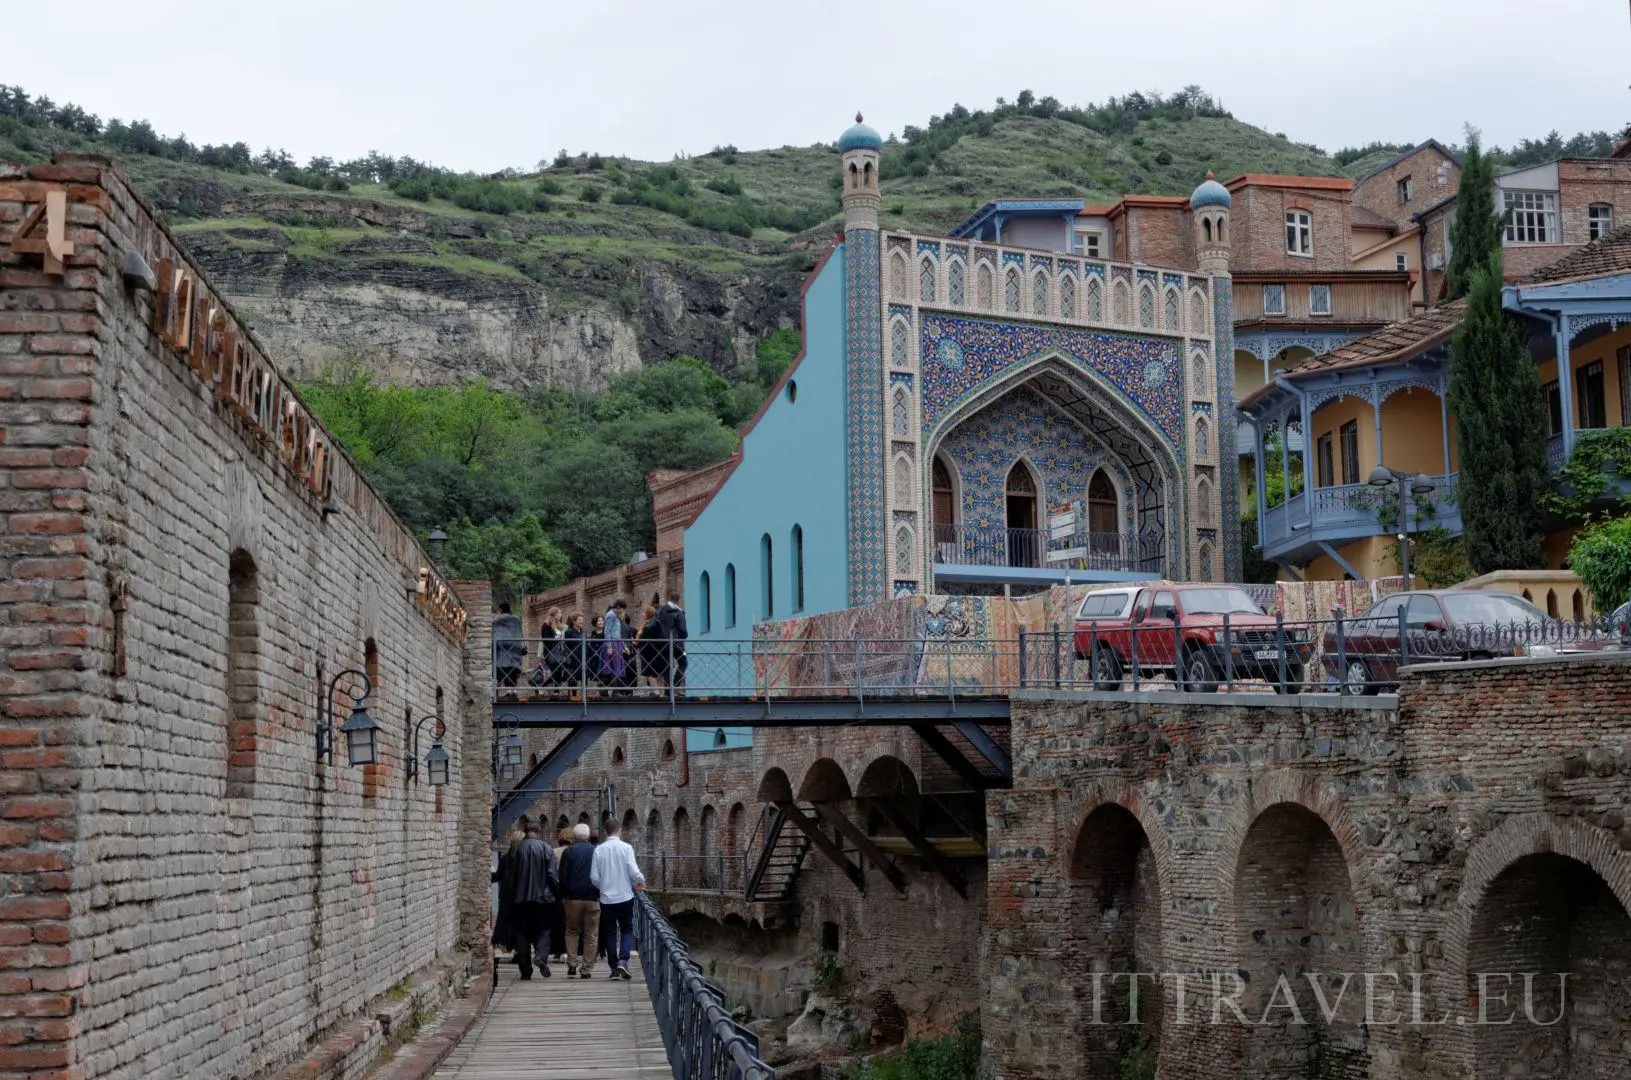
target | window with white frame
[
  {"x": 1089, "y": 242},
  {"x": 1299, "y": 232},
  {"x": 1599, "y": 220},
  {"x": 1533, "y": 217},
  {"x": 1274, "y": 299},
  {"x": 1405, "y": 190},
  {"x": 1401, "y": 261},
  {"x": 1319, "y": 299}
]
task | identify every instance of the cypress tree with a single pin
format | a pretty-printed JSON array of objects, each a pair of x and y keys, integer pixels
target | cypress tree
[
  {"x": 1475, "y": 235},
  {"x": 1495, "y": 392}
]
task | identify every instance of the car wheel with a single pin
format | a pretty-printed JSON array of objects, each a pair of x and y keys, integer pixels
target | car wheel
[
  {"x": 1200, "y": 677},
  {"x": 1356, "y": 679},
  {"x": 1106, "y": 669},
  {"x": 1293, "y": 683}
]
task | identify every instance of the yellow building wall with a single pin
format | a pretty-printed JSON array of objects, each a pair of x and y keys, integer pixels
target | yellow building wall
[
  {"x": 1603, "y": 350},
  {"x": 1328, "y": 420},
  {"x": 1386, "y": 259},
  {"x": 1372, "y": 556},
  {"x": 1413, "y": 435},
  {"x": 1556, "y": 545}
]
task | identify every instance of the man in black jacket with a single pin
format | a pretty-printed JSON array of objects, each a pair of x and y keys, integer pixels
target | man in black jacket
[
  {"x": 671, "y": 624},
  {"x": 530, "y": 882},
  {"x": 582, "y": 904}
]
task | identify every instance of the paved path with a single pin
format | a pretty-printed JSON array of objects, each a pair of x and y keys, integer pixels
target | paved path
[{"x": 562, "y": 1029}]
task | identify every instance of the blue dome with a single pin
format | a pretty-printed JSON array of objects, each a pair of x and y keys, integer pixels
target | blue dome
[
  {"x": 1210, "y": 193},
  {"x": 859, "y": 137}
]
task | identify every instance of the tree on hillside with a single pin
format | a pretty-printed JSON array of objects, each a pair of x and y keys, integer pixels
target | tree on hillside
[
  {"x": 1495, "y": 392},
  {"x": 1475, "y": 236}
]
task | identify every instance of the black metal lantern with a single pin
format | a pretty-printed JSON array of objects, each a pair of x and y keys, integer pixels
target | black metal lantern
[
  {"x": 361, "y": 733},
  {"x": 509, "y": 756},
  {"x": 437, "y": 543},
  {"x": 436, "y": 761},
  {"x": 360, "y": 729}
]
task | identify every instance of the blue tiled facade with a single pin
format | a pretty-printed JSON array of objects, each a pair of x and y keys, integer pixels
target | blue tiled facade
[{"x": 864, "y": 416}]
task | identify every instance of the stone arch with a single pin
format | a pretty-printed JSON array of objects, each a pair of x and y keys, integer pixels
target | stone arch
[
  {"x": 631, "y": 823},
  {"x": 824, "y": 781},
  {"x": 897, "y": 275},
  {"x": 1296, "y": 913},
  {"x": 1547, "y": 895},
  {"x": 654, "y": 831},
  {"x": 888, "y": 777},
  {"x": 735, "y": 819},
  {"x": 775, "y": 787},
  {"x": 1113, "y": 882}
]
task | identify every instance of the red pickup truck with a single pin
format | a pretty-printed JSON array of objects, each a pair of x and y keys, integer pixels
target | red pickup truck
[{"x": 1177, "y": 632}]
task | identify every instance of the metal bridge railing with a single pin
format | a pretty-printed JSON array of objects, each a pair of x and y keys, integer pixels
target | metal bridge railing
[
  {"x": 1197, "y": 651},
  {"x": 716, "y": 873},
  {"x": 702, "y": 1040}
]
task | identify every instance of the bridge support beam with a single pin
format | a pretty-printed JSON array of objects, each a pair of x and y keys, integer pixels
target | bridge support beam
[
  {"x": 835, "y": 817},
  {"x": 824, "y": 843},
  {"x": 985, "y": 744},
  {"x": 962, "y": 766},
  {"x": 942, "y": 865},
  {"x": 513, "y": 803}
]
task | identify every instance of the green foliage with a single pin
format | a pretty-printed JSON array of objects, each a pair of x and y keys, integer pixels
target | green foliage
[
  {"x": 955, "y": 1056},
  {"x": 1586, "y": 479},
  {"x": 1475, "y": 236},
  {"x": 514, "y": 555},
  {"x": 682, "y": 383},
  {"x": 589, "y": 194},
  {"x": 726, "y": 185},
  {"x": 1601, "y": 557},
  {"x": 830, "y": 974},
  {"x": 1350, "y": 154},
  {"x": 666, "y": 188},
  {"x": 1438, "y": 559},
  {"x": 1138, "y": 1058},
  {"x": 775, "y": 354},
  {"x": 1495, "y": 393}
]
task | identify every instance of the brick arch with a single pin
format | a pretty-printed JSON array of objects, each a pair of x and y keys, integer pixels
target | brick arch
[
  {"x": 1319, "y": 798},
  {"x": 1130, "y": 799},
  {"x": 775, "y": 787},
  {"x": 824, "y": 781},
  {"x": 1530, "y": 834}
]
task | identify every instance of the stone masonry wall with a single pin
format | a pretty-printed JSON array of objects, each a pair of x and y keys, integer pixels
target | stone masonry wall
[
  {"x": 1433, "y": 174},
  {"x": 1478, "y": 827},
  {"x": 183, "y": 890}
]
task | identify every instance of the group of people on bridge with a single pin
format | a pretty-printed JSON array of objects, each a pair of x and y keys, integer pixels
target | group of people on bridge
[
  {"x": 572, "y": 903},
  {"x": 611, "y": 653}
]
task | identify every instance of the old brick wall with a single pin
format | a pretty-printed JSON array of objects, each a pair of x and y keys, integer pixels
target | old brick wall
[
  {"x": 186, "y": 892},
  {"x": 1478, "y": 826},
  {"x": 1580, "y": 184},
  {"x": 1258, "y": 221},
  {"x": 1434, "y": 176}
]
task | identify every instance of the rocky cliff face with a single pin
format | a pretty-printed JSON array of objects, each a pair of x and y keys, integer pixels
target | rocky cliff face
[{"x": 428, "y": 298}]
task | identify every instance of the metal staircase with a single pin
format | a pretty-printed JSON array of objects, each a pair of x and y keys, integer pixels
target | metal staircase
[{"x": 780, "y": 853}]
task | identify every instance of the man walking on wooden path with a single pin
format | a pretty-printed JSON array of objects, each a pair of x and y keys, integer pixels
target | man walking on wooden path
[
  {"x": 617, "y": 875},
  {"x": 582, "y": 904},
  {"x": 530, "y": 883}
]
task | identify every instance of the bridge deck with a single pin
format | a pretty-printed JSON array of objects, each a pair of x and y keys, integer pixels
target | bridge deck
[{"x": 562, "y": 1029}]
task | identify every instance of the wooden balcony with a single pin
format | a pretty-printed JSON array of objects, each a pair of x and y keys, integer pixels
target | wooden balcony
[{"x": 1356, "y": 299}]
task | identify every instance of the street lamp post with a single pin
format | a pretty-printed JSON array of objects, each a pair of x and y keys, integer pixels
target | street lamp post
[{"x": 1417, "y": 484}]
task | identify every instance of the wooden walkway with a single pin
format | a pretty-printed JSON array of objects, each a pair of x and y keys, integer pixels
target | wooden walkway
[{"x": 562, "y": 1029}]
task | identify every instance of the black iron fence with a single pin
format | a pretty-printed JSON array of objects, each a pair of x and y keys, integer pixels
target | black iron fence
[
  {"x": 718, "y": 872},
  {"x": 1207, "y": 652},
  {"x": 702, "y": 1040}
]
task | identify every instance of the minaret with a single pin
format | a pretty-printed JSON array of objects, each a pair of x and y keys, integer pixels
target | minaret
[
  {"x": 864, "y": 389},
  {"x": 1209, "y": 217}
]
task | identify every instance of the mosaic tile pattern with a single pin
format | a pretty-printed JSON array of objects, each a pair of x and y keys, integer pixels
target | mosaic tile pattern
[
  {"x": 863, "y": 416},
  {"x": 984, "y": 448},
  {"x": 959, "y": 355},
  {"x": 1224, "y": 320}
]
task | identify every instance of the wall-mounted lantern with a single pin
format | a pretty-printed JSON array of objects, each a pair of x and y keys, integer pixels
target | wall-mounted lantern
[
  {"x": 436, "y": 758},
  {"x": 361, "y": 730},
  {"x": 507, "y": 750}
]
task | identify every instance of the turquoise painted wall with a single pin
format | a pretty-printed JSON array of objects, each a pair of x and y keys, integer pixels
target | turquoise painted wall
[{"x": 792, "y": 472}]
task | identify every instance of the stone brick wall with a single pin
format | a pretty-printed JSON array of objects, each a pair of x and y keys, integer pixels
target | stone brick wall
[
  {"x": 1579, "y": 185},
  {"x": 1479, "y": 826},
  {"x": 183, "y": 890},
  {"x": 1258, "y": 221}
]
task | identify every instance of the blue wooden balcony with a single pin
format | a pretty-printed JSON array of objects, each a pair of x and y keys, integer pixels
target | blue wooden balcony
[{"x": 1312, "y": 522}]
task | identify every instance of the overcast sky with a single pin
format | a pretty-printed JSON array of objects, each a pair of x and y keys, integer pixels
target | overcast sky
[{"x": 481, "y": 84}]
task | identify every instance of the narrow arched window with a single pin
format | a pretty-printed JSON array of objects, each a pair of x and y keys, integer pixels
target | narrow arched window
[
  {"x": 1123, "y": 295},
  {"x": 945, "y": 503},
  {"x": 925, "y": 281},
  {"x": 901, "y": 413},
  {"x": 730, "y": 594},
  {"x": 1039, "y": 294},
  {"x": 797, "y": 545},
  {"x": 1203, "y": 500},
  {"x": 243, "y": 674},
  {"x": 1010, "y": 290},
  {"x": 1067, "y": 297},
  {"x": 955, "y": 286},
  {"x": 1203, "y": 439},
  {"x": 1197, "y": 376},
  {"x": 767, "y": 577},
  {"x": 982, "y": 287},
  {"x": 1197, "y": 314},
  {"x": 903, "y": 481},
  {"x": 1095, "y": 300},
  {"x": 1206, "y": 228},
  {"x": 1103, "y": 509},
  {"x": 1170, "y": 309},
  {"x": 897, "y": 274},
  {"x": 706, "y": 601},
  {"x": 1146, "y": 307}
]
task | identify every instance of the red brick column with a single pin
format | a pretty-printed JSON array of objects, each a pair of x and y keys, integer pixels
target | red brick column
[
  {"x": 475, "y": 771},
  {"x": 52, "y": 613}
]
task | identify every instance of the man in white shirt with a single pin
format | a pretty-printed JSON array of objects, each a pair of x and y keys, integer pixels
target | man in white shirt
[{"x": 617, "y": 875}]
